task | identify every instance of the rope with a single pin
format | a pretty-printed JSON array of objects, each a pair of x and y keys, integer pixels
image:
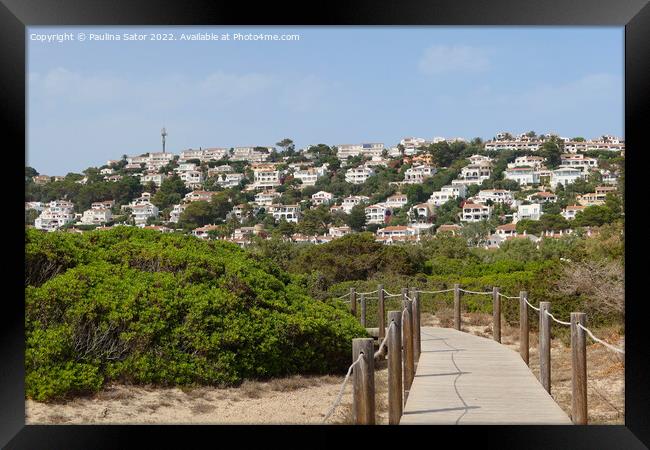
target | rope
[
  {"x": 383, "y": 343},
  {"x": 609, "y": 346},
  {"x": 342, "y": 296},
  {"x": 408, "y": 298},
  {"x": 436, "y": 292},
  {"x": 474, "y": 292},
  {"x": 536, "y": 309},
  {"x": 558, "y": 321},
  {"x": 338, "y": 398},
  {"x": 368, "y": 293},
  {"x": 388, "y": 294},
  {"x": 507, "y": 296}
]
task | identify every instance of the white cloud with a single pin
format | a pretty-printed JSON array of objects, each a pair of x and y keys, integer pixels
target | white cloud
[{"x": 453, "y": 58}]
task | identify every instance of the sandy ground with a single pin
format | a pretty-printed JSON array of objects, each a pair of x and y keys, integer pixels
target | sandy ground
[{"x": 306, "y": 400}]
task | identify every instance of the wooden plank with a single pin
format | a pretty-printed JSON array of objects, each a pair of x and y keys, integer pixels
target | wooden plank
[{"x": 466, "y": 379}]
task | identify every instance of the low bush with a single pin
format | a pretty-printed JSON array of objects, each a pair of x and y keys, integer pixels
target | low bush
[{"x": 144, "y": 307}]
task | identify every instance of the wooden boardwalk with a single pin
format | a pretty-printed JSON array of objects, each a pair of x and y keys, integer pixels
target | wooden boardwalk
[{"x": 464, "y": 379}]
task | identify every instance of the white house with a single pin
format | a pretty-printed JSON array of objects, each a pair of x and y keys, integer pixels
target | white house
[
  {"x": 345, "y": 151},
  {"x": 397, "y": 231},
  {"x": 418, "y": 174},
  {"x": 495, "y": 195},
  {"x": 142, "y": 212},
  {"x": 378, "y": 213},
  {"x": 522, "y": 175},
  {"x": 353, "y": 200},
  {"x": 155, "y": 178},
  {"x": 339, "y": 231},
  {"x": 565, "y": 175},
  {"x": 396, "y": 201},
  {"x": 216, "y": 171},
  {"x": 358, "y": 175},
  {"x": 309, "y": 176},
  {"x": 507, "y": 230},
  {"x": 290, "y": 213},
  {"x": 422, "y": 212},
  {"x": 96, "y": 216},
  {"x": 176, "y": 212},
  {"x": 478, "y": 159},
  {"x": 249, "y": 154},
  {"x": 542, "y": 196},
  {"x": 266, "y": 197},
  {"x": 230, "y": 180},
  {"x": 447, "y": 193},
  {"x": 213, "y": 154},
  {"x": 475, "y": 173},
  {"x": 569, "y": 213},
  {"x": 475, "y": 212},
  {"x": 192, "y": 178},
  {"x": 57, "y": 214},
  {"x": 265, "y": 176},
  {"x": 579, "y": 161},
  {"x": 528, "y": 212},
  {"x": 322, "y": 198},
  {"x": 202, "y": 232},
  {"x": 527, "y": 161},
  {"x": 194, "y": 196}
]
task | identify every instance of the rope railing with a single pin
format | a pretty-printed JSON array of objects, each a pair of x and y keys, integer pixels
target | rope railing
[
  {"x": 507, "y": 296},
  {"x": 475, "y": 292},
  {"x": 342, "y": 389},
  {"x": 600, "y": 341},
  {"x": 535, "y": 308},
  {"x": 388, "y": 294},
  {"x": 436, "y": 292},
  {"x": 379, "y": 351},
  {"x": 557, "y": 320}
]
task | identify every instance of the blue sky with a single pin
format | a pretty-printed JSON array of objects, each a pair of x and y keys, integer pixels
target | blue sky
[{"x": 93, "y": 101}]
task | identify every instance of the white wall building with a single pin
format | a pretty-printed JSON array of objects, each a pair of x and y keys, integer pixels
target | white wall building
[
  {"x": 353, "y": 200},
  {"x": 142, "y": 212},
  {"x": 496, "y": 196},
  {"x": 565, "y": 175},
  {"x": 96, "y": 216},
  {"x": 377, "y": 213},
  {"x": 57, "y": 214},
  {"x": 527, "y": 212},
  {"x": 418, "y": 174},
  {"x": 358, "y": 175},
  {"x": 322, "y": 198},
  {"x": 447, "y": 193},
  {"x": 522, "y": 175},
  {"x": 475, "y": 212},
  {"x": 290, "y": 213}
]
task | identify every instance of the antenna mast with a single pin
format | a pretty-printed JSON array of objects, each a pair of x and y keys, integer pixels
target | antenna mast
[{"x": 163, "y": 133}]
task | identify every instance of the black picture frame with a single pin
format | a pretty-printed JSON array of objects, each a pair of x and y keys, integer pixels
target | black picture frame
[{"x": 634, "y": 15}]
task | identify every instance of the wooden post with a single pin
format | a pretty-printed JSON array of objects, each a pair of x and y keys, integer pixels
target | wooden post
[
  {"x": 523, "y": 326},
  {"x": 362, "y": 300},
  {"x": 407, "y": 344},
  {"x": 457, "y": 306},
  {"x": 545, "y": 346},
  {"x": 417, "y": 337},
  {"x": 404, "y": 295},
  {"x": 363, "y": 382},
  {"x": 353, "y": 302},
  {"x": 395, "y": 394},
  {"x": 496, "y": 314},
  {"x": 381, "y": 315},
  {"x": 578, "y": 369}
]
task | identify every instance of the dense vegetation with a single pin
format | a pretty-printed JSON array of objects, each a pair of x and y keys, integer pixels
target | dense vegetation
[
  {"x": 144, "y": 307},
  {"x": 575, "y": 272}
]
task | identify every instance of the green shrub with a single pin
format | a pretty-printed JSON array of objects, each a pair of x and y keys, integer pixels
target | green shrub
[{"x": 170, "y": 310}]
